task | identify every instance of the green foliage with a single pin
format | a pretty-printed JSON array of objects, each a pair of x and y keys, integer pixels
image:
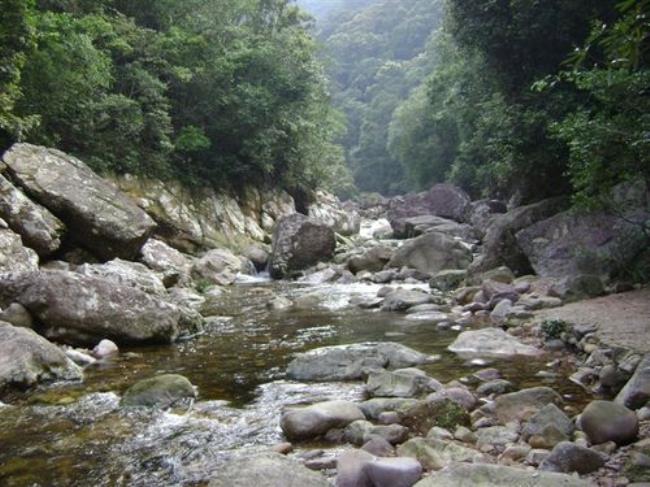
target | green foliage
[{"x": 554, "y": 329}]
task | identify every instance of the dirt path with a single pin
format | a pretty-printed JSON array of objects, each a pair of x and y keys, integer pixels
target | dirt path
[{"x": 622, "y": 319}]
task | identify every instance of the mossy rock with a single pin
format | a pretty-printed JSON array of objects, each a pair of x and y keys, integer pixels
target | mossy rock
[
  {"x": 424, "y": 415},
  {"x": 162, "y": 391}
]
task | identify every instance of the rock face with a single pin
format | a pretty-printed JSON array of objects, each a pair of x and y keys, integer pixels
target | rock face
[
  {"x": 38, "y": 228},
  {"x": 162, "y": 391},
  {"x": 27, "y": 358},
  {"x": 360, "y": 469},
  {"x": 14, "y": 257},
  {"x": 636, "y": 392},
  {"x": 352, "y": 362},
  {"x": 267, "y": 470},
  {"x": 97, "y": 214},
  {"x": 298, "y": 243},
  {"x": 316, "y": 420},
  {"x": 432, "y": 253},
  {"x": 484, "y": 475},
  {"x": 83, "y": 309},
  {"x": 491, "y": 342},
  {"x": 575, "y": 243},
  {"x": 328, "y": 211},
  {"x": 605, "y": 421}
]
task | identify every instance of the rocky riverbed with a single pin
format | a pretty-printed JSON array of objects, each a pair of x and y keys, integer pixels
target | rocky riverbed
[{"x": 423, "y": 340}]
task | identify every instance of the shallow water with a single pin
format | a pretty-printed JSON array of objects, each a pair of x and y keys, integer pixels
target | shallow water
[{"x": 75, "y": 434}]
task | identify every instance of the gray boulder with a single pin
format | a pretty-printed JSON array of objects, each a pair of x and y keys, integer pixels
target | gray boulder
[
  {"x": 39, "y": 229},
  {"x": 127, "y": 274},
  {"x": 605, "y": 421},
  {"x": 491, "y": 342},
  {"x": 27, "y": 359},
  {"x": 299, "y": 243},
  {"x": 403, "y": 299},
  {"x": 521, "y": 405},
  {"x": 327, "y": 210},
  {"x": 97, "y": 215},
  {"x": 162, "y": 391},
  {"x": 374, "y": 408},
  {"x": 83, "y": 309},
  {"x": 267, "y": 470},
  {"x": 401, "y": 383},
  {"x": 568, "y": 457},
  {"x": 14, "y": 256},
  {"x": 435, "y": 454},
  {"x": 360, "y": 469},
  {"x": 361, "y": 431},
  {"x": 217, "y": 266},
  {"x": 432, "y": 253},
  {"x": 316, "y": 420},
  {"x": 372, "y": 260},
  {"x": 636, "y": 393},
  {"x": 172, "y": 264},
  {"x": 418, "y": 225},
  {"x": 352, "y": 362},
  {"x": 484, "y": 475},
  {"x": 482, "y": 211},
  {"x": 548, "y": 427}
]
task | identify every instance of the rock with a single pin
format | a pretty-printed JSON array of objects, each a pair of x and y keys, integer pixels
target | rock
[
  {"x": 573, "y": 243},
  {"x": 482, "y": 211},
  {"x": 432, "y": 253},
  {"x": 299, "y": 243},
  {"x": 448, "y": 280},
  {"x": 361, "y": 431},
  {"x": 378, "y": 447},
  {"x": 548, "y": 427},
  {"x": 104, "y": 349},
  {"x": 637, "y": 469},
  {"x": 217, "y": 266},
  {"x": 435, "y": 454},
  {"x": 568, "y": 457},
  {"x": 577, "y": 287},
  {"x": 497, "y": 386},
  {"x": 372, "y": 260},
  {"x": 495, "y": 291},
  {"x": 360, "y": 469},
  {"x": 381, "y": 407},
  {"x": 316, "y": 420},
  {"x": 162, "y": 391},
  {"x": 82, "y": 309},
  {"x": 418, "y": 225},
  {"x": 523, "y": 404},
  {"x": 491, "y": 342},
  {"x": 402, "y": 299},
  {"x": 496, "y": 436},
  {"x": 172, "y": 264},
  {"x": 258, "y": 255},
  {"x": 484, "y": 475},
  {"x": 459, "y": 395},
  {"x": 500, "y": 246},
  {"x": 636, "y": 393},
  {"x": 501, "y": 312},
  {"x": 98, "y": 216},
  {"x": 424, "y": 415},
  {"x": 352, "y": 362},
  {"x": 39, "y": 229},
  {"x": 80, "y": 358},
  {"x": 400, "y": 383},
  {"x": 27, "y": 359},
  {"x": 605, "y": 421},
  {"x": 126, "y": 274},
  {"x": 17, "y": 315},
  {"x": 279, "y": 303},
  {"x": 320, "y": 277},
  {"x": 327, "y": 210},
  {"x": 14, "y": 257},
  {"x": 267, "y": 470}
]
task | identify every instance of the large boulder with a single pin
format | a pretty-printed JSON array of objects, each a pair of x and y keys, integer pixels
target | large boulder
[
  {"x": 568, "y": 457},
  {"x": 358, "y": 468},
  {"x": 443, "y": 200},
  {"x": 636, "y": 392},
  {"x": 127, "y": 274},
  {"x": 39, "y": 229},
  {"x": 218, "y": 266},
  {"x": 172, "y": 264},
  {"x": 524, "y": 404},
  {"x": 431, "y": 253},
  {"x": 491, "y": 342},
  {"x": 605, "y": 421},
  {"x": 298, "y": 243},
  {"x": 85, "y": 309},
  {"x": 417, "y": 225},
  {"x": 267, "y": 470},
  {"x": 485, "y": 475},
  {"x": 574, "y": 242},
  {"x": 14, "y": 256},
  {"x": 97, "y": 214},
  {"x": 162, "y": 391},
  {"x": 500, "y": 246},
  {"x": 327, "y": 210},
  {"x": 27, "y": 358},
  {"x": 316, "y": 420},
  {"x": 352, "y": 362},
  {"x": 372, "y": 260}
]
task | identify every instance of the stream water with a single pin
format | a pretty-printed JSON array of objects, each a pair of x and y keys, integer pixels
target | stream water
[{"x": 76, "y": 434}]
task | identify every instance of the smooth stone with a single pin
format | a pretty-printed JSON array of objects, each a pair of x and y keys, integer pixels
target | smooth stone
[
  {"x": 636, "y": 393},
  {"x": 523, "y": 404},
  {"x": 360, "y": 469},
  {"x": 400, "y": 383},
  {"x": 162, "y": 391},
  {"x": 361, "y": 431},
  {"x": 380, "y": 406},
  {"x": 316, "y": 420},
  {"x": 491, "y": 342},
  {"x": 379, "y": 447},
  {"x": 605, "y": 421},
  {"x": 105, "y": 348},
  {"x": 498, "y": 386},
  {"x": 435, "y": 454},
  {"x": 568, "y": 457}
]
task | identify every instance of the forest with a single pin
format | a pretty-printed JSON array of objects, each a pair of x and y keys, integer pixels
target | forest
[{"x": 506, "y": 99}]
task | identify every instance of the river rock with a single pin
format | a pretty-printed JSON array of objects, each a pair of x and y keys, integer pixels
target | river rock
[
  {"x": 172, "y": 264},
  {"x": 27, "y": 358},
  {"x": 267, "y": 470},
  {"x": 605, "y": 421},
  {"x": 548, "y": 427},
  {"x": 360, "y": 469},
  {"x": 14, "y": 256},
  {"x": 496, "y": 386},
  {"x": 432, "y": 253},
  {"x": 328, "y": 211},
  {"x": 491, "y": 342},
  {"x": 381, "y": 406},
  {"x": 482, "y": 211},
  {"x": 217, "y": 266},
  {"x": 484, "y": 475},
  {"x": 39, "y": 229},
  {"x": 316, "y": 420},
  {"x": 636, "y": 393},
  {"x": 105, "y": 348},
  {"x": 448, "y": 280},
  {"x": 521, "y": 405},
  {"x": 258, "y": 254},
  {"x": 373, "y": 260},
  {"x": 376, "y": 446},
  {"x": 435, "y": 454},
  {"x": 352, "y": 362},
  {"x": 496, "y": 436},
  {"x": 424, "y": 415},
  {"x": 84, "y": 309},
  {"x": 162, "y": 391},
  {"x": 403, "y": 299},
  {"x": 568, "y": 457},
  {"x": 400, "y": 383},
  {"x": 96, "y": 213},
  {"x": 127, "y": 274},
  {"x": 299, "y": 243},
  {"x": 17, "y": 315},
  {"x": 419, "y": 225},
  {"x": 361, "y": 431}
]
